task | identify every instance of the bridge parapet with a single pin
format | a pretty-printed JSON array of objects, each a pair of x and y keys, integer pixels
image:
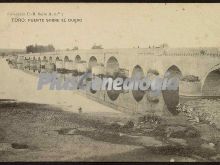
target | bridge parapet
[{"x": 193, "y": 51}]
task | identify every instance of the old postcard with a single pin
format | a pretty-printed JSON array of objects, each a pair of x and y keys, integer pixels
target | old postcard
[{"x": 109, "y": 82}]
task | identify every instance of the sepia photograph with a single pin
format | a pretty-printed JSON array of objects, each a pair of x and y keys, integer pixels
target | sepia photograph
[{"x": 109, "y": 82}]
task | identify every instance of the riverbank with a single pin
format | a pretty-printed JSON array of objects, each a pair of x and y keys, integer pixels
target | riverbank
[{"x": 40, "y": 132}]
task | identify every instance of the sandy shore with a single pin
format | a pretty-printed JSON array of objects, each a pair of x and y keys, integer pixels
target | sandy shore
[{"x": 41, "y": 128}]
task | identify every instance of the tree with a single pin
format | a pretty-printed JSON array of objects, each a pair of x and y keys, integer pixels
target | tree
[
  {"x": 97, "y": 46},
  {"x": 39, "y": 48},
  {"x": 75, "y": 48}
]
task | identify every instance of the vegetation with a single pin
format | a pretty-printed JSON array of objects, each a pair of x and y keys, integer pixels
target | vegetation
[
  {"x": 39, "y": 48},
  {"x": 97, "y": 46},
  {"x": 153, "y": 71},
  {"x": 6, "y": 52},
  {"x": 3, "y": 54},
  {"x": 190, "y": 78},
  {"x": 75, "y": 48}
]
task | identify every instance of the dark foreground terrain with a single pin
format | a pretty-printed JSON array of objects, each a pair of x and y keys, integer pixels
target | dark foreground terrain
[{"x": 40, "y": 132}]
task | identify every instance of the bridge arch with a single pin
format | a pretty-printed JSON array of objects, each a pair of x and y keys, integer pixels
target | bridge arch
[
  {"x": 44, "y": 58},
  {"x": 77, "y": 58},
  {"x": 171, "y": 97},
  {"x": 138, "y": 72},
  {"x": 66, "y": 58},
  {"x": 112, "y": 66},
  {"x": 173, "y": 71},
  {"x": 112, "y": 70},
  {"x": 92, "y": 62},
  {"x": 50, "y": 59},
  {"x": 210, "y": 84}
]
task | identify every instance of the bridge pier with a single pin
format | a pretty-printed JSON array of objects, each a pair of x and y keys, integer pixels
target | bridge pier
[
  {"x": 190, "y": 89},
  {"x": 164, "y": 63},
  {"x": 149, "y": 104}
]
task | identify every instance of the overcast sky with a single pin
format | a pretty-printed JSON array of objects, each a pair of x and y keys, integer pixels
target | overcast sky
[{"x": 115, "y": 25}]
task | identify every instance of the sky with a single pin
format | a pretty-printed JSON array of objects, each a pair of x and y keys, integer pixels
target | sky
[{"x": 113, "y": 25}]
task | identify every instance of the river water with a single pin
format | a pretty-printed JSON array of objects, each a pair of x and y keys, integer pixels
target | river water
[{"x": 209, "y": 106}]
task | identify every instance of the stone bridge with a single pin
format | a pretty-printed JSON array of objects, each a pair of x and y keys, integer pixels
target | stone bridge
[{"x": 196, "y": 68}]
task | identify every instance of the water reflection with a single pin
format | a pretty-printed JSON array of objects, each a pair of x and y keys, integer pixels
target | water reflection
[{"x": 171, "y": 99}]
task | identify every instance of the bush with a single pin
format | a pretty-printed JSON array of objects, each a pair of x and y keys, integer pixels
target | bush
[
  {"x": 190, "y": 78},
  {"x": 97, "y": 46},
  {"x": 129, "y": 125},
  {"x": 153, "y": 71},
  {"x": 39, "y": 48}
]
